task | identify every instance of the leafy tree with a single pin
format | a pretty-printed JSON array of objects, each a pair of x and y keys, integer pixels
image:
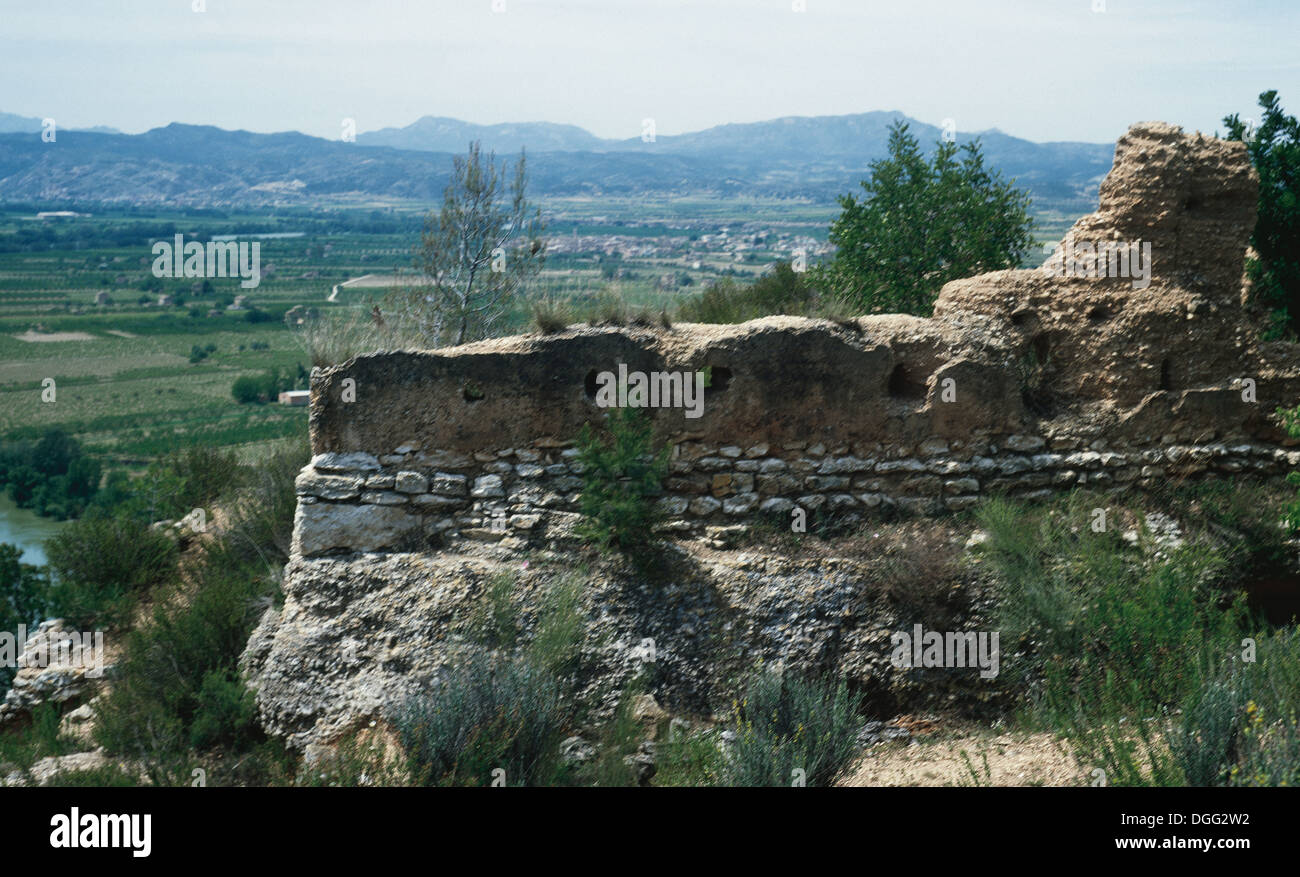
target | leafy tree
[
  {"x": 23, "y": 589},
  {"x": 54, "y": 452},
  {"x": 921, "y": 224},
  {"x": 83, "y": 477},
  {"x": 24, "y": 597},
  {"x": 246, "y": 389},
  {"x": 476, "y": 254},
  {"x": 1274, "y": 149},
  {"x": 52, "y": 477},
  {"x": 268, "y": 386},
  {"x": 23, "y": 481}
]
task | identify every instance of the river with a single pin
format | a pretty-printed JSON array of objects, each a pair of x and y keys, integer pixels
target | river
[{"x": 26, "y": 529}]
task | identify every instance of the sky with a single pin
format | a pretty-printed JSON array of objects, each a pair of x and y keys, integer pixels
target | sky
[{"x": 1038, "y": 69}]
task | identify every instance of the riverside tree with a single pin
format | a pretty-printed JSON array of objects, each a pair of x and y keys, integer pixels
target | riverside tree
[
  {"x": 475, "y": 254},
  {"x": 922, "y": 223},
  {"x": 1274, "y": 269}
]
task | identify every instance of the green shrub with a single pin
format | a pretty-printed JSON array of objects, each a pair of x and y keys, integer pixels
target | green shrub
[
  {"x": 495, "y": 623},
  {"x": 266, "y": 387},
  {"x": 609, "y": 309},
  {"x": 177, "y": 687},
  {"x": 24, "y": 598},
  {"x": 225, "y": 713},
  {"x": 259, "y": 515},
  {"x": 246, "y": 389},
  {"x": 486, "y": 714},
  {"x": 783, "y": 291},
  {"x": 40, "y": 738},
  {"x": 181, "y": 480},
  {"x": 1268, "y": 748},
  {"x": 1076, "y": 605},
  {"x": 1144, "y": 658},
  {"x": 619, "y": 738},
  {"x": 692, "y": 759},
  {"x": 165, "y": 698},
  {"x": 557, "y": 638},
  {"x": 1274, "y": 269},
  {"x": 621, "y": 478},
  {"x": 1205, "y": 743},
  {"x": 101, "y": 564},
  {"x": 787, "y": 724},
  {"x": 53, "y": 477},
  {"x": 550, "y": 315}
]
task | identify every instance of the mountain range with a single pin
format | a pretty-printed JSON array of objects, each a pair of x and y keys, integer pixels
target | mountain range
[{"x": 806, "y": 158}]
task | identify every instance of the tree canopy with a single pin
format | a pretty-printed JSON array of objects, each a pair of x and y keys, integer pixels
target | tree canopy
[
  {"x": 476, "y": 253},
  {"x": 921, "y": 223},
  {"x": 1274, "y": 147}
]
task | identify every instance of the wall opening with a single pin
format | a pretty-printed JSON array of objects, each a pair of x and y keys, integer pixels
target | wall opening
[
  {"x": 719, "y": 379},
  {"x": 905, "y": 384},
  {"x": 1035, "y": 379},
  {"x": 591, "y": 384},
  {"x": 1166, "y": 376},
  {"x": 1025, "y": 319},
  {"x": 1041, "y": 348}
]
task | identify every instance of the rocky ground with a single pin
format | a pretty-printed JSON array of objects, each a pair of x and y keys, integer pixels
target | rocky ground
[{"x": 959, "y": 754}]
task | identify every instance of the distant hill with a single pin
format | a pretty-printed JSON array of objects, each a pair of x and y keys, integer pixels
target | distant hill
[
  {"x": 807, "y": 158},
  {"x": 440, "y": 134},
  {"x": 11, "y": 124}
]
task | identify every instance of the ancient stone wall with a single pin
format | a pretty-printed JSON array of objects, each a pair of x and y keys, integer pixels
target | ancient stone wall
[
  {"x": 350, "y": 502},
  {"x": 1022, "y": 382}
]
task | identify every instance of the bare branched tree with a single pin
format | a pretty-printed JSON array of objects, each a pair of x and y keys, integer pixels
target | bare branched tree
[{"x": 476, "y": 254}]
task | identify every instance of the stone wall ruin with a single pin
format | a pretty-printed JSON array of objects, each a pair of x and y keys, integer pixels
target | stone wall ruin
[{"x": 1022, "y": 382}]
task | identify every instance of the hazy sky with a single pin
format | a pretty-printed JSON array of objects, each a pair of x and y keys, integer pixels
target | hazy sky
[{"x": 1040, "y": 69}]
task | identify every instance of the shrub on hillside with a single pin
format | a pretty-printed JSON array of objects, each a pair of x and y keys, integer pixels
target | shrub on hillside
[
  {"x": 1081, "y": 607},
  {"x": 792, "y": 730},
  {"x": 178, "y": 688},
  {"x": 486, "y": 714},
  {"x": 101, "y": 564},
  {"x": 783, "y": 291},
  {"x": 550, "y": 315},
  {"x": 621, "y": 478},
  {"x": 185, "y": 479}
]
